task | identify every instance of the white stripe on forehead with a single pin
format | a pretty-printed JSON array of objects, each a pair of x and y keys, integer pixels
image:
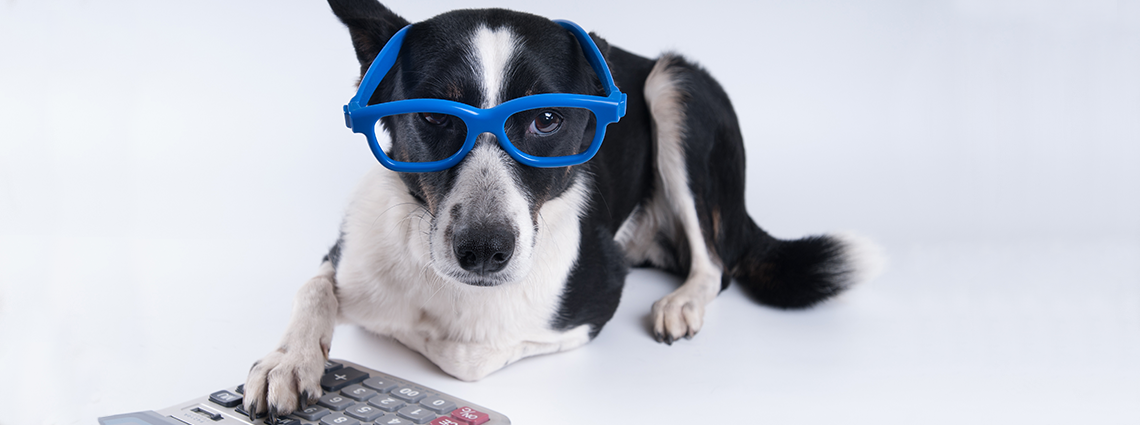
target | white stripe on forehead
[{"x": 491, "y": 52}]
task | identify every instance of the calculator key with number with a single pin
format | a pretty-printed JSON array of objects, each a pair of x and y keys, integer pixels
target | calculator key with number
[{"x": 354, "y": 395}]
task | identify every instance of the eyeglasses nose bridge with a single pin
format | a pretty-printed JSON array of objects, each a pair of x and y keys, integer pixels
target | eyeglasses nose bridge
[{"x": 496, "y": 136}]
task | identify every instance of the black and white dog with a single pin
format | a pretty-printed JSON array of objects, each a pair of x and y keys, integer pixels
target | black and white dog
[{"x": 490, "y": 261}]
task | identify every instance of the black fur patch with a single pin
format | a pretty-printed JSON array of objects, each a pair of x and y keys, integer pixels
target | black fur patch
[
  {"x": 594, "y": 287},
  {"x": 334, "y": 252}
]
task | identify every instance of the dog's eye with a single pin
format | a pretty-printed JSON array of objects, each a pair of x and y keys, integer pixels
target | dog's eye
[
  {"x": 546, "y": 123},
  {"x": 435, "y": 119}
]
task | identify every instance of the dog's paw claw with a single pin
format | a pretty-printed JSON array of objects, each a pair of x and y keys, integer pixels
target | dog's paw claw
[
  {"x": 306, "y": 399},
  {"x": 251, "y": 407}
]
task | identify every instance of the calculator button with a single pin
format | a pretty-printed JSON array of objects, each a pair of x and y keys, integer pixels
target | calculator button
[
  {"x": 241, "y": 411},
  {"x": 283, "y": 421},
  {"x": 417, "y": 414},
  {"x": 439, "y": 405},
  {"x": 364, "y": 412},
  {"x": 473, "y": 416},
  {"x": 340, "y": 378},
  {"x": 448, "y": 420},
  {"x": 331, "y": 365},
  {"x": 335, "y": 401},
  {"x": 409, "y": 394},
  {"x": 241, "y": 389},
  {"x": 385, "y": 403},
  {"x": 380, "y": 384},
  {"x": 338, "y": 419},
  {"x": 358, "y": 392},
  {"x": 225, "y": 398},
  {"x": 312, "y": 413}
]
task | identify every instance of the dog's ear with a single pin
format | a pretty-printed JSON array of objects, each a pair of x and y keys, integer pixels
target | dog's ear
[
  {"x": 370, "y": 24},
  {"x": 603, "y": 46}
]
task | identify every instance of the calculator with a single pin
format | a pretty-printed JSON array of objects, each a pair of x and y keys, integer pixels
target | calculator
[{"x": 353, "y": 395}]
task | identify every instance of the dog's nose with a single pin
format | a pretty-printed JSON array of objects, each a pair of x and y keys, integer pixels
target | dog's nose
[{"x": 484, "y": 249}]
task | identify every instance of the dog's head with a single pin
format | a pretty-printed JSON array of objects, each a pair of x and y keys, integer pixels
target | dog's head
[{"x": 484, "y": 211}]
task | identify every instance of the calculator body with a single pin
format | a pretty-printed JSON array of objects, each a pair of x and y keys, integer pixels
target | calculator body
[{"x": 353, "y": 395}]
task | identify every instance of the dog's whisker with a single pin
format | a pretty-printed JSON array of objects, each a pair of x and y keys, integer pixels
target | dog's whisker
[
  {"x": 407, "y": 217},
  {"x": 389, "y": 209},
  {"x": 438, "y": 287}
]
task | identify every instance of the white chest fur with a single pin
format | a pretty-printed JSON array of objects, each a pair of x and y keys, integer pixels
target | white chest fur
[{"x": 386, "y": 284}]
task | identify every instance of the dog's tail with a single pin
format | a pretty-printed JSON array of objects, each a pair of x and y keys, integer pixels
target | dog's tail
[{"x": 803, "y": 272}]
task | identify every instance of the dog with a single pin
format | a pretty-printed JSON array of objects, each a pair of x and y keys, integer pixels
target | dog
[{"x": 489, "y": 261}]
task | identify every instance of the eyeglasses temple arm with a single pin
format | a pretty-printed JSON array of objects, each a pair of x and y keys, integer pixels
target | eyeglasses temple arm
[
  {"x": 376, "y": 72},
  {"x": 597, "y": 61}
]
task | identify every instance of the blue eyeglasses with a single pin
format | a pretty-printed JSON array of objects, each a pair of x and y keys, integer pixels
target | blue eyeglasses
[{"x": 546, "y": 130}]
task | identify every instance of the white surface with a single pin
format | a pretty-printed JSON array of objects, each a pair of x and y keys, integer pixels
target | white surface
[{"x": 171, "y": 173}]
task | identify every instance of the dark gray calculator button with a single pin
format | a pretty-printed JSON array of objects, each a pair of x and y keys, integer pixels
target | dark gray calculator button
[
  {"x": 409, "y": 394},
  {"x": 439, "y": 405},
  {"x": 338, "y": 419},
  {"x": 283, "y": 421},
  {"x": 241, "y": 411},
  {"x": 358, "y": 392},
  {"x": 225, "y": 398},
  {"x": 335, "y": 401},
  {"x": 417, "y": 414},
  {"x": 380, "y": 384},
  {"x": 331, "y": 365},
  {"x": 385, "y": 403},
  {"x": 364, "y": 412},
  {"x": 241, "y": 389},
  {"x": 312, "y": 413},
  {"x": 340, "y": 378}
]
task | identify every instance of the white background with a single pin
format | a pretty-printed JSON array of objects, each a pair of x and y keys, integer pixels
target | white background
[{"x": 170, "y": 173}]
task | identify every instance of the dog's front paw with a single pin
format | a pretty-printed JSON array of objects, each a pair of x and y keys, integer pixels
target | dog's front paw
[
  {"x": 677, "y": 315},
  {"x": 284, "y": 381}
]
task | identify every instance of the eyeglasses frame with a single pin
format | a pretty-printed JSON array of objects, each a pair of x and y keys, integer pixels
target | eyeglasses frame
[{"x": 361, "y": 117}]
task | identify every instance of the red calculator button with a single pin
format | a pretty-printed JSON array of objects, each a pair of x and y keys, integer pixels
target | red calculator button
[
  {"x": 447, "y": 420},
  {"x": 473, "y": 416}
]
